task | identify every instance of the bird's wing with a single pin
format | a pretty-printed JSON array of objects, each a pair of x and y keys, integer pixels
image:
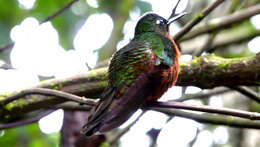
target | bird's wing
[
  {"x": 162, "y": 47},
  {"x": 128, "y": 86}
]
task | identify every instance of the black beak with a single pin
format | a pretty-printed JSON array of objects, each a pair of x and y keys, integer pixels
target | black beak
[
  {"x": 176, "y": 17},
  {"x": 174, "y": 10}
]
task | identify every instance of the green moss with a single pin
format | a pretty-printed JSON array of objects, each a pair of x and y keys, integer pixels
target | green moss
[
  {"x": 212, "y": 26},
  {"x": 198, "y": 16},
  {"x": 7, "y": 116},
  {"x": 103, "y": 83},
  {"x": 9, "y": 106},
  {"x": 98, "y": 73},
  {"x": 104, "y": 144},
  {"x": 53, "y": 86},
  {"x": 224, "y": 64},
  {"x": 213, "y": 57},
  {"x": 182, "y": 65},
  {"x": 255, "y": 107},
  {"x": 60, "y": 85},
  {"x": 18, "y": 103},
  {"x": 203, "y": 74},
  {"x": 56, "y": 86},
  {"x": 195, "y": 61},
  {"x": 230, "y": 119},
  {"x": 4, "y": 95}
]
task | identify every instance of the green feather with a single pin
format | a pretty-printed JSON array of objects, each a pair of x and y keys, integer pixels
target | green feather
[{"x": 123, "y": 67}]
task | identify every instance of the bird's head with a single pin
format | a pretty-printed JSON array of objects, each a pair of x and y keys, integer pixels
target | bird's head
[{"x": 152, "y": 22}]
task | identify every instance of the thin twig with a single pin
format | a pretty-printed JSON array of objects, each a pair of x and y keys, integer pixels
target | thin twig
[
  {"x": 26, "y": 121},
  {"x": 6, "y": 67},
  {"x": 192, "y": 142},
  {"x": 222, "y": 22},
  {"x": 47, "y": 92},
  {"x": 89, "y": 68},
  {"x": 223, "y": 40},
  {"x": 202, "y": 94},
  {"x": 247, "y": 92},
  {"x": 7, "y": 47},
  {"x": 59, "y": 11},
  {"x": 203, "y": 108},
  {"x": 208, "y": 43},
  {"x": 197, "y": 19},
  {"x": 212, "y": 118},
  {"x": 118, "y": 135}
]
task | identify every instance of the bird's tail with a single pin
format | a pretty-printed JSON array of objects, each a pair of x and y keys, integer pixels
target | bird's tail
[
  {"x": 98, "y": 113},
  {"x": 89, "y": 130}
]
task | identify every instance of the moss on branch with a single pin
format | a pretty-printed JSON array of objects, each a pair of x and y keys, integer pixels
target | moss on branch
[{"x": 205, "y": 72}]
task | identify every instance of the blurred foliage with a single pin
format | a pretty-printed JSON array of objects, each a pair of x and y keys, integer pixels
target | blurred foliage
[
  {"x": 45, "y": 8},
  {"x": 28, "y": 136},
  {"x": 10, "y": 15},
  {"x": 68, "y": 23}
]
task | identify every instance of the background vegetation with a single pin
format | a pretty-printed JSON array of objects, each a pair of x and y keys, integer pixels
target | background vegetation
[{"x": 228, "y": 76}]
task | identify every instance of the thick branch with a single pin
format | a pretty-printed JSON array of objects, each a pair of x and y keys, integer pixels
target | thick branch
[
  {"x": 205, "y": 72},
  {"x": 226, "y": 21},
  {"x": 197, "y": 19},
  {"x": 211, "y": 71},
  {"x": 88, "y": 85}
]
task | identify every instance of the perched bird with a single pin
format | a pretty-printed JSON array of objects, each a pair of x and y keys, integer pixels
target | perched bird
[{"x": 141, "y": 71}]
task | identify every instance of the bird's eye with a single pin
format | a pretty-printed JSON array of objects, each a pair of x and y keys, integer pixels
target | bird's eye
[{"x": 158, "y": 21}]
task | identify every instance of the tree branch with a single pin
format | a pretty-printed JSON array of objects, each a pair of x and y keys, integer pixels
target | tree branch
[
  {"x": 197, "y": 19},
  {"x": 26, "y": 121},
  {"x": 211, "y": 71},
  {"x": 202, "y": 94},
  {"x": 247, "y": 92},
  {"x": 221, "y": 40},
  {"x": 212, "y": 118},
  {"x": 7, "y": 47},
  {"x": 223, "y": 22},
  {"x": 203, "y": 108},
  {"x": 160, "y": 106},
  {"x": 59, "y": 11},
  {"x": 47, "y": 92},
  {"x": 112, "y": 140},
  {"x": 71, "y": 107},
  {"x": 198, "y": 72}
]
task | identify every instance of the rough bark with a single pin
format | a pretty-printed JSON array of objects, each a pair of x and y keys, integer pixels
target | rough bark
[{"x": 70, "y": 132}]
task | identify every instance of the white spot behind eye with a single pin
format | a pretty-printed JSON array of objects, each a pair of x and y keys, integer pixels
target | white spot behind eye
[{"x": 158, "y": 21}]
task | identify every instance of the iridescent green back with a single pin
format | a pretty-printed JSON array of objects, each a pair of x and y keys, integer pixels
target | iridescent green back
[{"x": 125, "y": 64}]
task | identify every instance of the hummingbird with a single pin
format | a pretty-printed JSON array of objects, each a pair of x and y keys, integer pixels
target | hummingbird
[{"x": 141, "y": 71}]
